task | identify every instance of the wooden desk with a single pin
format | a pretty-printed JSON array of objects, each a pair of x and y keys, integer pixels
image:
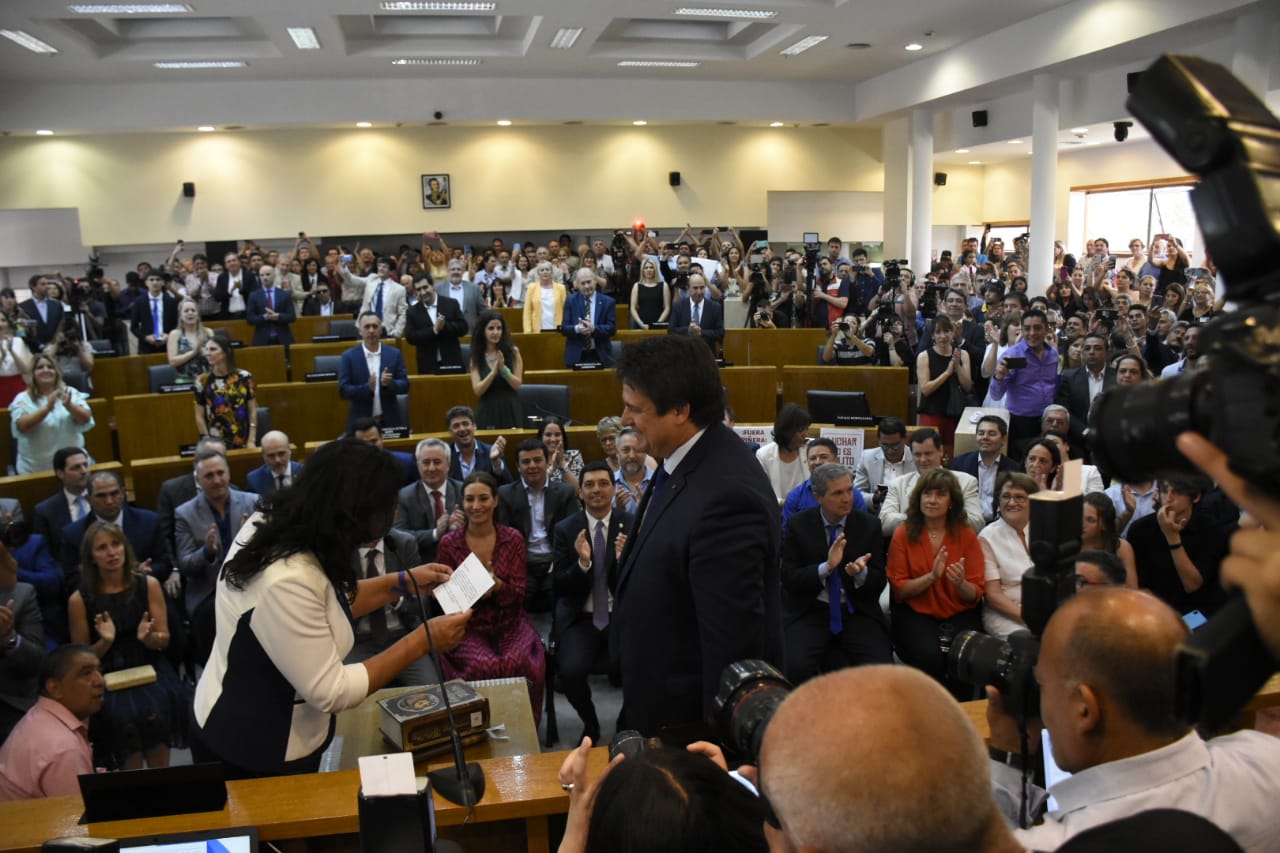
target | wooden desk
[
  {"x": 776, "y": 347},
  {"x": 885, "y": 387},
  {"x": 30, "y": 489},
  {"x": 151, "y": 425}
]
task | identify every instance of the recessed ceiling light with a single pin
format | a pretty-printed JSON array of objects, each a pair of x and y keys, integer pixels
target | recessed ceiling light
[
  {"x": 915, "y": 45},
  {"x": 776, "y": 124},
  {"x": 364, "y": 124},
  {"x": 639, "y": 122},
  {"x": 703, "y": 12},
  {"x": 435, "y": 62},
  {"x": 1079, "y": 130},
  {"x": 44, "y": 133},
  {"x": 206, "y": 128},
  {"x": 1015, "y": 141},
  {"x": 565, "y": 37},
  {"x": 130, "y": 8},
  {"x": 803, "y": 45},
  {"x": 304, "y": 38},
  {"x": 656, "y": 63},
  {"x": 502, "y": 122},
  {"x": 189, "y": 64},
  {"x": 28, "y": 41},
  {"x": 962, "y": 150},
  {"x": 435, "y": 6},
  {"x": 975, "y": 162}
]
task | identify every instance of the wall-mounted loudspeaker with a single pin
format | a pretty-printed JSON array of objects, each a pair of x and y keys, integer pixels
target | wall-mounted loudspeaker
[
  {"x": 673, "y": 178},
  {"x": 188, "y": 189},
  {"x": 979, "y": 118},
  {"x": 939, "y": 179}
]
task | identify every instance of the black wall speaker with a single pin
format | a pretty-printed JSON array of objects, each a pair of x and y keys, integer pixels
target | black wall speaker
[
  {"x": 979, "y": 118},
  {"x": 673, "y": 178},
  {"x": 188, "y": 189},
  {"x": 939, "y": 179}
]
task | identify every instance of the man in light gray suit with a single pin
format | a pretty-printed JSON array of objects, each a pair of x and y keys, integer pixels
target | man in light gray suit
[
  {"x": 878, "y": 466},
  {"x": 926, "y": 448},
  {"x": 206, "y": 525},
  {"x": 465, "y": 293},
  {"x": 21, "y": 645},
  {"x": 430, "y": 507}
]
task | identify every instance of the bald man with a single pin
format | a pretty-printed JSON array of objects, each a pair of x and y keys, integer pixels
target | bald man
[
  {"x": 278, "y": 470},
  {"x": 1107, "y": 688},
  {"x": 836, "y": 789}
]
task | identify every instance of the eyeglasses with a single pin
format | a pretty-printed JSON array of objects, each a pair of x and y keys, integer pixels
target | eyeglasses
[{"x": 1014, "y": 499}]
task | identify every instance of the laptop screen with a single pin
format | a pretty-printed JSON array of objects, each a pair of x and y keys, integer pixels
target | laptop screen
[{"x": 237, "y": 840}]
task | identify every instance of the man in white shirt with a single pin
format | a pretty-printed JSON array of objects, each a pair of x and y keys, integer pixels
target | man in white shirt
[
  {"x": 235, "y": 283},
  {"x": 926, "y": 451}
]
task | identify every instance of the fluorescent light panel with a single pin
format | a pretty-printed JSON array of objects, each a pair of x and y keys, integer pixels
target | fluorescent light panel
[
  {"x": 703, "y": 12},
  {"x": 436, "y": 6},
  {"x": 435, "y": 62},
  {"x": 195, "y": 64},
  {"x": 304, "y": 38},
  {"x": 915, "y": 46},
  {"x": 656, "y": 63},
  {"x": 130, "y": 8},
  {"x": 28, "y": 41},
  {"x": 803, "y": 45},
  {"x": 564, "y": 39},
  {"x": 44, "y": 133}
]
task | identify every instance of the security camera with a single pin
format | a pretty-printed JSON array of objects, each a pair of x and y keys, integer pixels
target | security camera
[
  {"x": 1122, "y": 130},
  {"x": 439, "y": 115}
]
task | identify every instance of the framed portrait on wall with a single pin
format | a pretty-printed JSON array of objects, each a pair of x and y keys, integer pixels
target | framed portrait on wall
[{"x": 436, "y": 192}]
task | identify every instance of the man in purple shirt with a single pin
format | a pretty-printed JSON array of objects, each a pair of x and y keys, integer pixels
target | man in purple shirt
[
  {"x": 1027, "y": 389},
  {"x": 50, "y": 747}
]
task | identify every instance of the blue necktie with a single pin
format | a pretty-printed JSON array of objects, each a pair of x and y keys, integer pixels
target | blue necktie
[
  {"x": 836, "y": 622},
  {"x": 156, "y": 328},
  {"x": 600, "y": 582},
  {"x": 377, "y": 301}
]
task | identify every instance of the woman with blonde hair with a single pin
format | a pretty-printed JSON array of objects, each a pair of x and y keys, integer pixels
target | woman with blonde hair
[
  {"x": 186, "y": 344},
  {"x": 650, "y": 297},
  {"x": 47, "y": 416}
]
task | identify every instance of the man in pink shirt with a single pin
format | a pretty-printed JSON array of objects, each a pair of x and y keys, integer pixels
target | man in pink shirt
[{"x": 49, "y": 747}]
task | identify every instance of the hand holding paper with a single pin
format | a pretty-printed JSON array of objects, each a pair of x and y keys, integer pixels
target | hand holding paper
[{"x": 469, "y": 583}]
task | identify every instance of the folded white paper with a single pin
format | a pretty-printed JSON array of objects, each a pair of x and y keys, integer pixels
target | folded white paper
[
  {"x": 470, "y": 581},
  {"x": 387, "y": 775}
]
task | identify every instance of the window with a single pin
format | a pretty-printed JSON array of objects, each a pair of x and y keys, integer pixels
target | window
[{"x": 1122, "y": 214}]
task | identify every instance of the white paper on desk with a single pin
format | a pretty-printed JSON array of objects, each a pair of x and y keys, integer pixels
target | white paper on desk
[
  {"x": 387, "y": 775},
  {"x": 470, "y": 581}
]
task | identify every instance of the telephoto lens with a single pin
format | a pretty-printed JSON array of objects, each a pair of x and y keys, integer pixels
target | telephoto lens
[{"x": 749, "y": 695}]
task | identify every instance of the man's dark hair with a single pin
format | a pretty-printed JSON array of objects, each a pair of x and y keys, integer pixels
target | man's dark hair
[
  {"x": 924, "y": 434},
  {"x": 856, "y": 252},
  {"x": 1035, "y": 312},
  {"x": 64, "y": 454},
  {"x": 1191, "y": 485},
  {"x": 597, "y": 465},
  {"x": 459, "y": 412},
  {"x": 532, "y": 445},
  {"x": 892, "y": 426},
  {"x": 57, "y": 663},
  {"x": 1021, "y": 297},
  {"x": 827, "y": 443},
  {"x": 1106, "y": 343},
  {"x": 362, "y": 424},
  {"x": 997, "y": 420},
  {"x": 211, "y": 454},
  {"x": 1110, "y": 565},
  {"x": 792, "y": 419},
  {"x": 674, "y": 371}
]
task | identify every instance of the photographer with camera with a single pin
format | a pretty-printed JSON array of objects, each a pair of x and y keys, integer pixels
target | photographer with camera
[
  {"x": 1107, "y": 697},
  {"x": 845, "y": 346},
  {"x": 865, "y": 283}
]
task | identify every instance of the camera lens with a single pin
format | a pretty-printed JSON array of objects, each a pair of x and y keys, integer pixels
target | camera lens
[{"x": 1132, "y": 430}]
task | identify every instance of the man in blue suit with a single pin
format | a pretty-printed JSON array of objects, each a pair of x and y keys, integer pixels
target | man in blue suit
[
  {"x": 988, "y": 461},
  {"x": 69, "y": 503},
  {"x": 366, "y": 430},
  {"x": 372, "y": 375},
  {"x": 699, "y": 584},
  {"x": 141, "y": 527},
  {"x": 46, "y": 312},
  {"x": 590, "y": 320},
  {"x": 698, "y": 316},
  {"x": 270, "y": 311},
  {"x": 278, "y": 470}
]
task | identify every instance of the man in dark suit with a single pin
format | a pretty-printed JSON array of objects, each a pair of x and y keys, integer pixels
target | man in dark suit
[
  {"x": 698, "y": 587},
  {"x": 590, "y": 319},
  {"x": 235, "y": 283},
  {"x": 832, "y": 577},
  {"x": 153, "y": 316},
  {"x": 469, "y": 453},
  {"x": 1080, "y": 386},
  {"x": 21, "y": 645},
  {"x": 430, "y": 507},
  {"x": 141, "y": 527},
  {"x": 372, "y": 390},
  {"x": 586, "y": 547},
  {"x": 534, "y": 506},
  {"x": 270, "y": 311},
  {"x": 698, "y": 316},
  {"x": 45, "y": 312},
  {"x": 278, "y": 470},
  {"x": 69, "y": 503},
  {"x": 988, "y": 462},
  {"x": 434, "y": 324},
  {"x": 366, "y": 430},
  {"x": 320, "y": 302}
]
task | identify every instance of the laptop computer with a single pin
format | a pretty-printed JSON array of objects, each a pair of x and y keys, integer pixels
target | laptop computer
[{"x": 241, "y": 839}]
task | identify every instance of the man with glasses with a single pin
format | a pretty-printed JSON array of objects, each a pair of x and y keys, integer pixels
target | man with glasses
[
  {"x": 878, "y": 466},
  {"x": 319, "y": 303},
  {"x": 434, "y": 325}
]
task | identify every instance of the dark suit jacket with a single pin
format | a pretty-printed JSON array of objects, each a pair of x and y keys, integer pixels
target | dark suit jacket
[
  {"x": 51, "y": 516},
  {"x": 19, "y": 669},
  {"x": 558, "y": 503},
  {"x": 256, "y": 315},
  {"x": 699, "y": 585},
  {"x": 712, "y": 324},
  {"x": 483, "y": 463},
  {"x": 400, "y": 552},
  {"x": 261, "y": 481},
  {"x": 173, "y": 493},
  {"x": 311, "y": 307},
  {"x": 968, "y": 463},
  {"x": 432, "y": 346},
  {"x": 45, "y": 329},
  {"x": 140, "y": 320},
  {"x": 804, "y": 547},
  {"x": 141, "y": 528},
  {"x": 605, "y": 320},
  {"x": 572, "y": 585},
  {"x": 1073, "y": 392},
  {"x": 248, "y": 284},
  {"x": 416, "y": 515},
  {"x": 353, "y": 385}
]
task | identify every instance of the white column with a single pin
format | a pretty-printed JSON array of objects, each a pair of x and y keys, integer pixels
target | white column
[
  {"x": 1044, "y": 182},
  {"x": 921, "y": 190},
  {"x": 896, "y": 147},
  {"x": 1254, "y": 55}
]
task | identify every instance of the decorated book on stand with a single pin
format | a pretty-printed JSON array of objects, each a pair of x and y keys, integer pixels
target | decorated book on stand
[{"x": 417, "y": 722}]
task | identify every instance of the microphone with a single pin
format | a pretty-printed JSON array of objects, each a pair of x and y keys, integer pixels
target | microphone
[{"x": 464, "y": 782}]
